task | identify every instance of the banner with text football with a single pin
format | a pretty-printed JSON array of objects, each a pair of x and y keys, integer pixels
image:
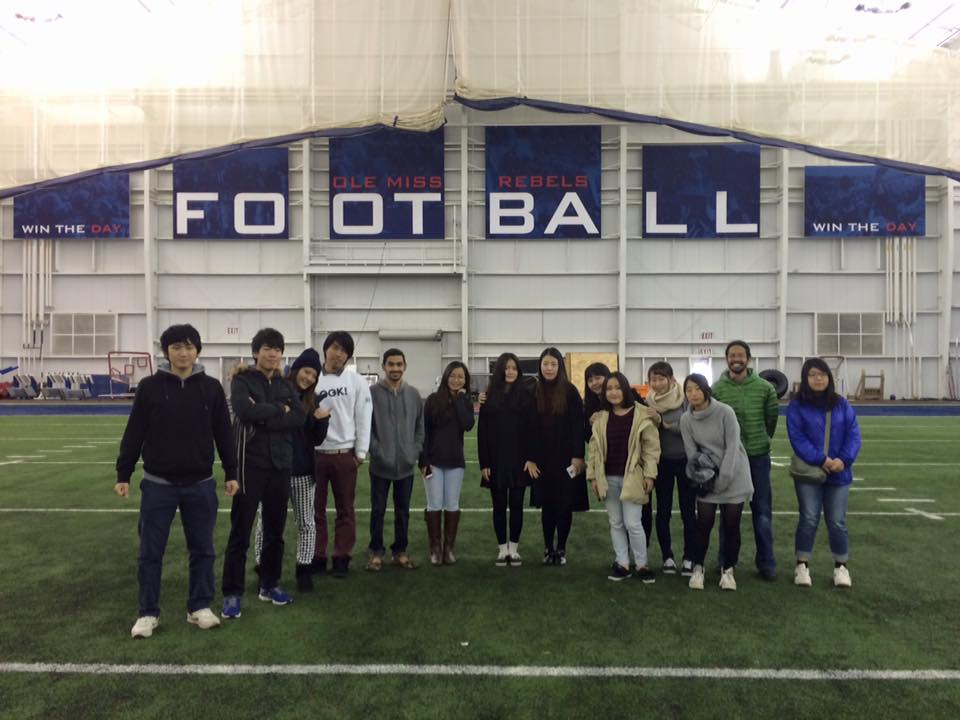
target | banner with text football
[
  {"x": 701, "y": 191},
  {"x": 387, "y": 185},
  {"x": 240, "y": 195},
  {"x": 543, "y": 182},
  {"x": 94, "y": 207},
  {"x": 862, "y": 201}
]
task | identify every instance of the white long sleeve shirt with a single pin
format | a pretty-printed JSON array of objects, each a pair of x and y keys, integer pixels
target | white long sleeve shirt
[{"x": 347, "y": 396}]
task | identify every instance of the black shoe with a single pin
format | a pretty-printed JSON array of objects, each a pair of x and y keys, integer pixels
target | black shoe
[
  {"x": 618, "y": 572},
  {"x": 560, "y": 557},
  {"x": 767, "y": 574},
  {"x": 646, "y": 575},
  {"x": 304, "y": 578},
  {"x": 340, "y": 567},
  {"x": 319, "y": 566},
  {"x": 548, "y": 556}
]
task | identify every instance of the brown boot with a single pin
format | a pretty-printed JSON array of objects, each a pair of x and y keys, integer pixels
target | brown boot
[
  {"x": 433, "y": 536},
  {"x": 451, "y": 520}
]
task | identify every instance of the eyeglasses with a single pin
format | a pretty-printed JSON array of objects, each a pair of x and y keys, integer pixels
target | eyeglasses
[{"x": 816, "y": 375}]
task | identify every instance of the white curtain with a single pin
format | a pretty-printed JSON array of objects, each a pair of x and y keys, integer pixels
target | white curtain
[{"x": 86, "y": 85}]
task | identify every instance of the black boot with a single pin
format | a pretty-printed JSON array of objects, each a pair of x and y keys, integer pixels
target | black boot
[
  {"x": 319, "y": 566},
  {"x": 304, "y": 578}
]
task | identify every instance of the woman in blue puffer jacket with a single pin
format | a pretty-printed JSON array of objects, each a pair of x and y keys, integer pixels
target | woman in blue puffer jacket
[{"x": 806, "y": 427}]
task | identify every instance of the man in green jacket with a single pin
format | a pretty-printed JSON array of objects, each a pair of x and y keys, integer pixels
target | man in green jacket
[{"x": 754, "y": 401}]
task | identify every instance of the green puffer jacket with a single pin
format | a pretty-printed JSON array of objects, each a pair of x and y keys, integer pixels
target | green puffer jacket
[{"x": 755, "y": 402}]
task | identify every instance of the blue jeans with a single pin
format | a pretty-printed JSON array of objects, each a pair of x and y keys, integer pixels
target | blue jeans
[
  {"x": 443, "y": 489},
  {"x": 833, "y": 499},
  {"x": 626, "y": 525},
  {"x": 379, "y": 489},
  {"x": 198, "y": 514}
]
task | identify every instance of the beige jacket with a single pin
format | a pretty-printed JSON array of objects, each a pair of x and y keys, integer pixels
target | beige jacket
[{"x": 643, "y": 454}]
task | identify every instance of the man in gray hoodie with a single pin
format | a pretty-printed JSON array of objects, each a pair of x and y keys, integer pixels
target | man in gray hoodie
[{"x": 395, "y": 442}]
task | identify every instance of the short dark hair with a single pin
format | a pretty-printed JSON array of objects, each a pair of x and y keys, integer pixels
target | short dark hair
[
  {"x": 734, "y": 343},
  {"x": 269, "y": 337},
  {"x": 341, "y": 338},
  {"x": 595, "y": 369},
  {"x": 390, "y": 352},
  {"x": 625, "y": 389},
  {"x": 180, "y": 333},
  {"x": 701, "y": 382},
  {"x": 661, "y": 368}
]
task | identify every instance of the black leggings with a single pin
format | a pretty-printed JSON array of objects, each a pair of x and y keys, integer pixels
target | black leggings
[
  {"x": 730, "y": 516},
  {"x": 556, "y": 520},
  {"x": 502, "y": 497}
]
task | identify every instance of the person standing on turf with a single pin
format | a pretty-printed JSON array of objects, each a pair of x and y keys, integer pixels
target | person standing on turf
[
  {"x": 178, "y": 415},
  {"x": 268, "y": 413},
  {"x": 754, "y": 401},
  {"x": 346, "y": 396}
]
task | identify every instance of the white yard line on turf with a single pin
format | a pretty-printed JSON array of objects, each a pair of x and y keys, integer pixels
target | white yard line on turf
[
  {"x": 872, "y": 489},
  {"x": 906, "y": 500},
  {"x": 523, "y": 671},
  {"x": 24, "y": 457},
  {"x": 921, "y": 513}
]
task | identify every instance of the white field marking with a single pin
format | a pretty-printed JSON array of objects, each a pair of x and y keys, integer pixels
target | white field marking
[
  {"x": 332, "y": 511},
  {"x": 905, "y": 464},
  {"x": 524, "y": 671},
  {"x": 776, "y": 464},
  {"x": 929, "y": 516},
  {"x": 12, "y": 462},
  {"x": 24, "y": 457},
  {"x": 872, "y": 489},
  {"x": 67, "y": 462},
  {"x": 81, "y": 447},
  {"x": 906, "y": 500},
  {"x": 56, "y": 451},
  {"x": 48, "y": 438}
]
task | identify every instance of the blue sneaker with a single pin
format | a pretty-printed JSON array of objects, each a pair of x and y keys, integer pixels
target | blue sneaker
[
  {"x": 231, "y": 607},
  {"x": 276, "y": 596}
]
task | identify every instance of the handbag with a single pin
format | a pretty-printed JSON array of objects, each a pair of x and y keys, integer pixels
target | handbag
[{"x": 802, "y": 471}]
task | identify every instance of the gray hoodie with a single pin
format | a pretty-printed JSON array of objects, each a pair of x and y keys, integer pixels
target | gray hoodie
[
  {"x": 397, "y": 433},
  {"x": 715, "y": 431}
]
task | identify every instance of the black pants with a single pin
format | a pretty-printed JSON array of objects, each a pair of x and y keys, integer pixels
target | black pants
[
  {"x": 272, "y": 489},
  {"x": 502, "y": 498},
  {"x": 673, "y": 471},
  {"x": 556, "y": 522},
  {"x": 730, "y": 515}
]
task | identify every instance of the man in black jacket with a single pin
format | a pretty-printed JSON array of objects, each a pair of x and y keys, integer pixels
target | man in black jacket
[
  {"x": 268, "y": 412},
  {"x": 177, "y": 416}
]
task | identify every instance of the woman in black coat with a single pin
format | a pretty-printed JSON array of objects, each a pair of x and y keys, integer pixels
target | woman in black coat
[
  {"x": 503, "y": 417},
  {"x": 555, "y": 451}
]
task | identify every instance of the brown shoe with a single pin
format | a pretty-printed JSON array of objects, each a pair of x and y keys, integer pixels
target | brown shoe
[
  {"x": 434, "y": 521},
  {"x": 451, "y": 521},
  {"x": 375, "y": 563},
  {"x": 403, "y": 560}
]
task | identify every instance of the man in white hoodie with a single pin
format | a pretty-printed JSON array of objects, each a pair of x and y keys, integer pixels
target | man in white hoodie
[{"x": 346, "y": 395}]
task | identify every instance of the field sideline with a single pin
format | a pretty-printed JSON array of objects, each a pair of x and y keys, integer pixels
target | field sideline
[{"x": 475, "y": 640}]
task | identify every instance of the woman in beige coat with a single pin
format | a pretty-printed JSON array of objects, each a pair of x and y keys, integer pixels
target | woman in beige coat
[{"x": 622, "y": 466}]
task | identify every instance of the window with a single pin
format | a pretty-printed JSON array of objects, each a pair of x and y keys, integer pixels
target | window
[
  {"x": 849, "y": 334},
  {"x": 78, "y": 334}
]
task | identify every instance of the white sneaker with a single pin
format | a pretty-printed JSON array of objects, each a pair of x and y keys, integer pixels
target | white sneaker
[
  {"x": 502, "y": 555},
  {"x": 203, "y": 619},
  {"x": 512, "y": 550},
  {"x": 841, "y": 577},
  {"x": 727, "y": 581},
  {"x": 696, "y": 580},
  {"x": 144, "y": 626},
  {"x": 801, "y": 576}
]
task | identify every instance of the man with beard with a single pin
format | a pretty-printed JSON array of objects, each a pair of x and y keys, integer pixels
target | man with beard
[{"x": 754, "y": 401}]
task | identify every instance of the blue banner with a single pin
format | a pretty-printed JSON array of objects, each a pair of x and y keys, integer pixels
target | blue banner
[
  {"x": 97, "y": 206},
  {"x": 387, "y": 185},
  {"x": 858, "y": 201},
  {"x": 240, "y": 195},
  {"x": 701, "y": 191},
  {"x": 543, "y": 182}
]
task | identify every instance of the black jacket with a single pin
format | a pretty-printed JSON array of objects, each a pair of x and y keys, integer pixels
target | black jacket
[
  {"x": 500, "y": 431},
  {"x": 443, "y": 444},
  {"x": 310, "y": 435},
  {"x": 174, "y": 424},
  {"x": 552, "y": 441},
  {"x": 270, "y": 412}
]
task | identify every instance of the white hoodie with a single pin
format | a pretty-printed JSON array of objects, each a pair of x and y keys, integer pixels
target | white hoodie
[{"x": 347, "y": 396}]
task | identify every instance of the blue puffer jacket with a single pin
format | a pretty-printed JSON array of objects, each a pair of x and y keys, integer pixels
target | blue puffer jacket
[{"x": 806, "y": 424}]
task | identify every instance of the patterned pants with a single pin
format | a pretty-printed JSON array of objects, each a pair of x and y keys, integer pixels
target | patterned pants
[{"x": 301, "y": 498}]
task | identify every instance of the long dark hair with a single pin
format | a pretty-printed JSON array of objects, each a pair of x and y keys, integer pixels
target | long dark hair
[
  {"x": 701, "y": 382},
  {"x": 551, "y": 397},
  {"x": 308, "y": 396},
  {"x": 440, "y": 402},
  {"x": 499, "y": 387},
  {"x": 625, "y": 389},
  {"x": 826, "y": 399}
]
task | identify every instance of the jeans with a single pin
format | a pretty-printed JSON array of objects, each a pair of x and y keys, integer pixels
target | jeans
[
  {"x": 670, "y": 471},
  {"x": 402, "y": 490},
  {"x": 761, "y": 508},
  {"x": 198, "y": 514},
  {"x": 626, "y": 525},
  {"x": 833, "y": 500},
  {"x": 443, "y": 488}
]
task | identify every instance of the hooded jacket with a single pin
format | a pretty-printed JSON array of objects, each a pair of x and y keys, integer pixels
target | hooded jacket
[
  {"x": 174, "y": 424},
  {"x": 643, "y": 454},
  {"x": 396, "y": 436}
]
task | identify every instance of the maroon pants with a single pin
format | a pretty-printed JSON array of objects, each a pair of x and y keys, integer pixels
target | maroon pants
[{"x": 340, "y": 473}]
